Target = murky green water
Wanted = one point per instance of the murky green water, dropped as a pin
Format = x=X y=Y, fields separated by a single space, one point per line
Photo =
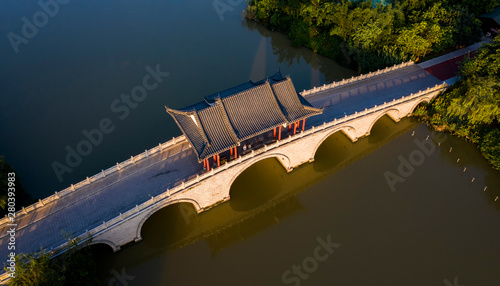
x=437 y=225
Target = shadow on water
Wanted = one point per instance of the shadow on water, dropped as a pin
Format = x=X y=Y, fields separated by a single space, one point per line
x=257 y=185
x=338 y=151
x=261 y=197
x=332 y=152
x=103 y=257
x=382 y=129
x=169 y=225
x=257 y=223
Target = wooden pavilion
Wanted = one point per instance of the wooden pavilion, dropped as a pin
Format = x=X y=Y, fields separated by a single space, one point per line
x=223 y=120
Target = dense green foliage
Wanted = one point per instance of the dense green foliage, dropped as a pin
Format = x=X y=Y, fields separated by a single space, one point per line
x=75 y=267
x=368 y=37
x=471 y=108
x=21 y=197
x=38 y=271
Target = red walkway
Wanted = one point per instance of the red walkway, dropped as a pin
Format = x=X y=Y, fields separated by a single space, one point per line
x=447 y=69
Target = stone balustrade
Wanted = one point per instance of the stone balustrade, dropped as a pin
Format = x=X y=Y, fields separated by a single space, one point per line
x=186 y=185
x=89 y=180
x=353 y=79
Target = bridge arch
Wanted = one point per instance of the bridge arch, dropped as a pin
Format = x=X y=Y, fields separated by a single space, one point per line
x=393 y=113
x=282 y=158
x=109 y=243
x=158 y=207
x=414 y=106
x=330 y=133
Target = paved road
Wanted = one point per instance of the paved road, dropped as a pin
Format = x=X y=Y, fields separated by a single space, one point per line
x=102 y=200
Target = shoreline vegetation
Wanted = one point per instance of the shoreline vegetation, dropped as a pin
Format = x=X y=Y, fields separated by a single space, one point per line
x=74 y=267
x=470 y=109
x=367 y=37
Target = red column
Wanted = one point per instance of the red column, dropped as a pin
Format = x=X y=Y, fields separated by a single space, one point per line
x=204 y=163
x=218 y=160
x=294 y=128
x=274 y=132
x=303 y=124
x=279 y=133
x=235 y=153
x=289 y=128
x=231 y=151
x=208 y=164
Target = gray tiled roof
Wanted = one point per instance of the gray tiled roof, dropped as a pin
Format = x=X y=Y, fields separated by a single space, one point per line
x=220 y=136
x=190 y=123
x=253 y=111
x=224 y=119
x=291 y=106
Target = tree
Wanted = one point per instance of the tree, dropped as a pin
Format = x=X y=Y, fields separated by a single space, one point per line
x=37 y=271
x=299 y=33
x=375 y=34
x=471 y=108
x=490 y=147
x=477 y=97
x=75 y=267
x=476 y=7
x=480 y=104
x=412 y=41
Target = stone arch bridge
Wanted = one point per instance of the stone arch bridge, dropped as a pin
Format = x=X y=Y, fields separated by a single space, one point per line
x=207 y=190
x=112 y=206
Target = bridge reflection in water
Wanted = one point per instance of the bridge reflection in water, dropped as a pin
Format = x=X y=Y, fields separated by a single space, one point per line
x=153 y=172
x=255 y=206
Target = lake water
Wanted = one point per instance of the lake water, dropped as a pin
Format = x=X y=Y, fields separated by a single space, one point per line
x=436 y=227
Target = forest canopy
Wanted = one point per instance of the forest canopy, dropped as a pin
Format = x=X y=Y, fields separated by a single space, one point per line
x=367 y=36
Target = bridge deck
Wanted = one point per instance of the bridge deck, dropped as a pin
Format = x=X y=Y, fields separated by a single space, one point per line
x=104 y=199
x=359 y=95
